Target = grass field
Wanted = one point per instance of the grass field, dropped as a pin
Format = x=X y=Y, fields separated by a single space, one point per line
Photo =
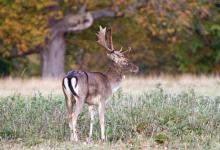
x=146 y=113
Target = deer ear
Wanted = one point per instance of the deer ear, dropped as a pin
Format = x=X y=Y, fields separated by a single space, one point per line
x=110 y=56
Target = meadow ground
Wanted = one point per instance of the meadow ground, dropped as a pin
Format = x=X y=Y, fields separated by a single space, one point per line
x=146 y=113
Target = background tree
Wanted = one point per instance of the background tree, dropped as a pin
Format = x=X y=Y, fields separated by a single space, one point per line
x=166 y=36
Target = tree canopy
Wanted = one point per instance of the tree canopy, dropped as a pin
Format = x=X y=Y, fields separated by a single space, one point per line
x=166 y=36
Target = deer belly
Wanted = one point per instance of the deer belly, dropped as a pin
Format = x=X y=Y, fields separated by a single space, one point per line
x=93 y=100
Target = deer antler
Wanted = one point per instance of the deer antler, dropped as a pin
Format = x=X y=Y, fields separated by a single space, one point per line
x=129 y=49
x=105 y=38
x=109 y=38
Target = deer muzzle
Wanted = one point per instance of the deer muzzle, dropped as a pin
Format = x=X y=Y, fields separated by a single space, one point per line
x=133 y=68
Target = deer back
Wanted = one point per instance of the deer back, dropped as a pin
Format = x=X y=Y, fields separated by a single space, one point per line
x=89 y=86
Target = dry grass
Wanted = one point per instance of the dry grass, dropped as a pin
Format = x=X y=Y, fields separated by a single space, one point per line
x=204 y=85
x=9 y=86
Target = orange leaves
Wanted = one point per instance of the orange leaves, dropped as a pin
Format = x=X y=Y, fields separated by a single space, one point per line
x=7 y=41
x=142 y=20
x=22 y=47
x=183 y=19
x=55 y=14
x=170 y=30
x=43 y=4
x=23 y=24
x=1 y=34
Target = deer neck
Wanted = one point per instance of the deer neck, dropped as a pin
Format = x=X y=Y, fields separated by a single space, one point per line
x=114 y=75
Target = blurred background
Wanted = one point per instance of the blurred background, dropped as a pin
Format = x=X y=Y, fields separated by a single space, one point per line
x=173 y=102
x=49 y=37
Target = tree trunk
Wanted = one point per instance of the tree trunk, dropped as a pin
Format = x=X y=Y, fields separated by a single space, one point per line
x=53 y=54
x=53 y=57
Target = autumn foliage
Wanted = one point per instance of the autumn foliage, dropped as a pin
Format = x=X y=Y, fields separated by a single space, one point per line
x=171 y=36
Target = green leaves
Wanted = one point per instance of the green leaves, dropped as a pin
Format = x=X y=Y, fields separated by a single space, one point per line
x=215 y=29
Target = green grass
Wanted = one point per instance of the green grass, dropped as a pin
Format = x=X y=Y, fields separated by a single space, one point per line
x=157 y=118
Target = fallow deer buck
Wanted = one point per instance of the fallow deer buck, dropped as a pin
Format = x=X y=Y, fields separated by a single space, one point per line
x=94 y=88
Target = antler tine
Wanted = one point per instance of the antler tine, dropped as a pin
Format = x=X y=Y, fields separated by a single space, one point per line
x=109 y=38
x=104 y=40
x=129 y=49
x=121 y=50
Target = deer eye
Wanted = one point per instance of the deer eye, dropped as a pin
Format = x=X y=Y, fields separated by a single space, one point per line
x=124 y=62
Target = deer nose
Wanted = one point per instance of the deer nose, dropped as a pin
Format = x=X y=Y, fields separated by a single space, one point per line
x=136 y=69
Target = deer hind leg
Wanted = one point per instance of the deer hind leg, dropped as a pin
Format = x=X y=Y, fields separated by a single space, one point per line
x=101 y=109
x=75 y=114
x=69 y=104
x=92 y=119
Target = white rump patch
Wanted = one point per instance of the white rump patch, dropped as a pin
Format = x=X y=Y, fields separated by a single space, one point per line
x=66 y=85
x=73 y=83
x=75 y=87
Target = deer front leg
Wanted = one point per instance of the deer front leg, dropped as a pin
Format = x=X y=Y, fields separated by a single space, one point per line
x=78 y=108
x=102 y=119
x=92 y=117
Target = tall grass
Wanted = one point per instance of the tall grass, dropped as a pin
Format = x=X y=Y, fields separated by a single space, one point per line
x=184 y=119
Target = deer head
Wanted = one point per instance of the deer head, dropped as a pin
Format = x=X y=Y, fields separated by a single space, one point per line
x=117 y=56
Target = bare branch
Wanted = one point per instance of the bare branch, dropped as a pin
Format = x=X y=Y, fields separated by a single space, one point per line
x=137 y=5
x=103 y=13
x=72 y=23
x=109 y=13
